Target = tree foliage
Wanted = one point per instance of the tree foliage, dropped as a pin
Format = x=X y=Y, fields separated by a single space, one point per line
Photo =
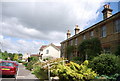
x=90 y=48
x=106 y=64
x=69 y=51
x=4 y=55
x=20 y=54
x=31 y=61
x=118 y=50
x=12 y=56
x=15 y=57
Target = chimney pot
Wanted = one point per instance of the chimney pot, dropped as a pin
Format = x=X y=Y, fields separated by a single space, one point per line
x=107 y=6
x=68 y=34
x=107 y=12
x=76 y=29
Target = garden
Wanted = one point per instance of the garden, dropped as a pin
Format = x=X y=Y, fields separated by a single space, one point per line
x=97 y=66
x=103 y=67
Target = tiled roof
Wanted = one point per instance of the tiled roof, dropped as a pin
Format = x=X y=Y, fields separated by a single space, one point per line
x=58 y=47
x=35 y=55
x=44 y=46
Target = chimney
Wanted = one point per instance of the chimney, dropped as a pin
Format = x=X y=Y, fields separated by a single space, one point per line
x=68 y=34
x=76 y=29
x=107 y=12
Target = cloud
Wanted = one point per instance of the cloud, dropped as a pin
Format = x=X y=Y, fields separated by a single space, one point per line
x=49 y=16
x=14 y=29
x=19 y=45
x=44 y=20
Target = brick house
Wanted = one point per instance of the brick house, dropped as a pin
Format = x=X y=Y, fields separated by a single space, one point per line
x=107 y=31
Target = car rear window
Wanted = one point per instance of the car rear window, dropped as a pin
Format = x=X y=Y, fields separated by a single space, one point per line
x=6 y=64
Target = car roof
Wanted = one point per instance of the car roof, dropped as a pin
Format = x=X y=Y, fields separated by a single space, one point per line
x=9 y=61
x=6 y=61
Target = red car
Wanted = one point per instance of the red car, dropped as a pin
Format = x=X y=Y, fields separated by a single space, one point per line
x=8 y=68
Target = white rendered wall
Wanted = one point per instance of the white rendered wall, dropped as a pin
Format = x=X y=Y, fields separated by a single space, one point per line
x=52 y=52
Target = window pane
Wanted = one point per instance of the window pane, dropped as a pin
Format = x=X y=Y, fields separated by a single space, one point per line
x=6 y=64
x=91 y=33
x=47 y=51
x=117 y=25
x=103 y=31
x=76 y=41
x=84 y=37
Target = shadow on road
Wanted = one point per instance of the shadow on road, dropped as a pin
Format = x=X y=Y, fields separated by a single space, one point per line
x=6 y=76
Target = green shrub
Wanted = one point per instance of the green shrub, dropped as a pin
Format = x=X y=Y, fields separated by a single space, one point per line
x=30 y=65
x=117 y=52
x=33 y=58
x=25 y=64
x=106 y=64
x=113 y=77
x=73 y=72
x=77 y=60
x=20 y=61
x=40 y=72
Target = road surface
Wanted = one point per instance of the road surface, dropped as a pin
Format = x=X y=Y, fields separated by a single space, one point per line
x=22 y=75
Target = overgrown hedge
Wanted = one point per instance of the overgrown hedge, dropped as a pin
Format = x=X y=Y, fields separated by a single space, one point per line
x=106 y=64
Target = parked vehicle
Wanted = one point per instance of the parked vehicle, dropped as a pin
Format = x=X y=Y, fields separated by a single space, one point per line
x=16 y=63
x=8 y=68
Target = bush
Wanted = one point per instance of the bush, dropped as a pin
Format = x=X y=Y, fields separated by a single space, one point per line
x=117 y=52
x=77 y=60
x=73 y=72
x=33 y=58
x=40 y=72
x=40 y=69
x=20 y=61
x=30 y=65
x=106 y=64
x=25 y=64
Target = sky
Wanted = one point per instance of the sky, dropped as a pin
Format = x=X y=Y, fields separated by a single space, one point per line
x=26 y=25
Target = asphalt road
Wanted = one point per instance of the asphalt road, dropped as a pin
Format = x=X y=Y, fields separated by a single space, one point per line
x=22 y=75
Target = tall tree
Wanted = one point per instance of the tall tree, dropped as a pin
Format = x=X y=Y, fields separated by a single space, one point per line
x=15 y=57
x=5 y=55
x=90 y=48
x=69 y=51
